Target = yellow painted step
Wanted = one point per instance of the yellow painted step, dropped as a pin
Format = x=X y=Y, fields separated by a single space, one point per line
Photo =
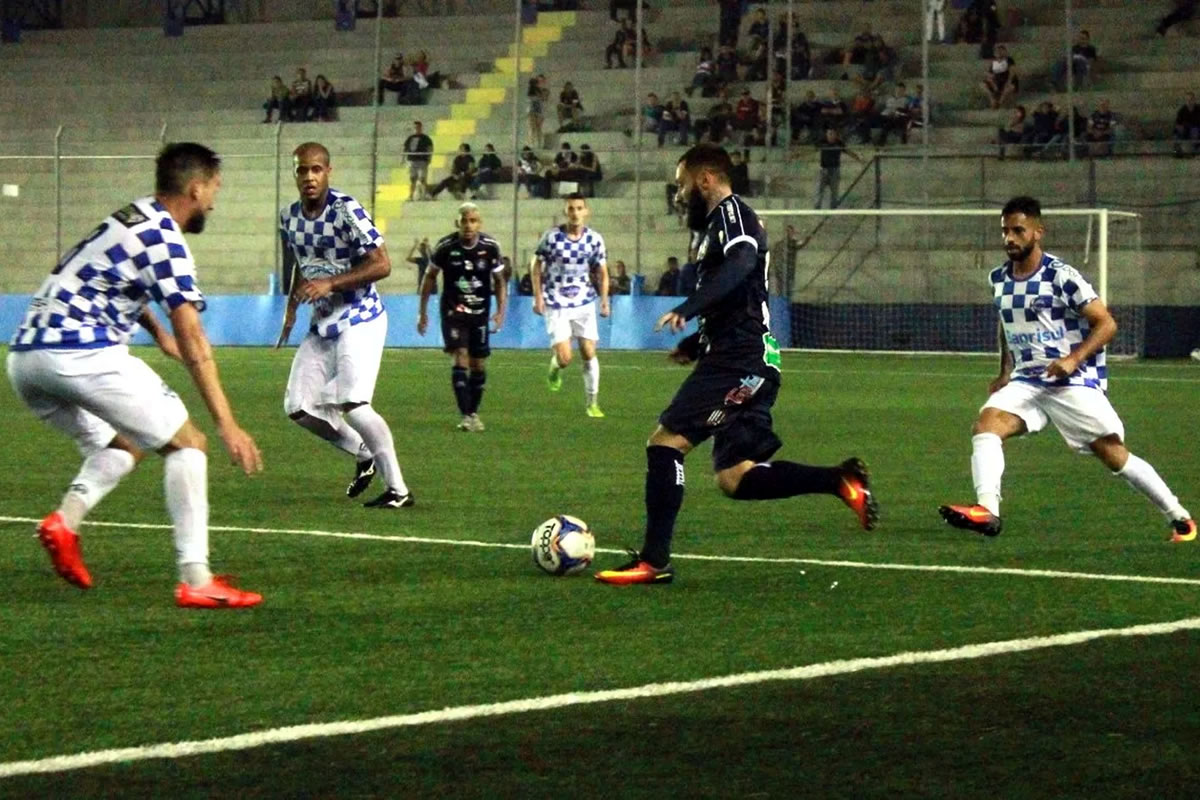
x=508 y=65
x=475 y=111
x=534 y=50
x=488 y=94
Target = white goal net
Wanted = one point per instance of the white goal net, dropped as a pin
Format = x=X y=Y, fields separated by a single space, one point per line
x=916 y=280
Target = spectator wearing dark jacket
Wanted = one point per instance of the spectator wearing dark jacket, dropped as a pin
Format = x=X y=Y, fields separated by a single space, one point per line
x=1187 y=126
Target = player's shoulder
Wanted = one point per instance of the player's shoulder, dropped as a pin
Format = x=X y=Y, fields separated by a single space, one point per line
x=1058 y=270
x=446 y=242
x=1000 y=273
x=594 y=236
x=290 y=211
x=142 y=214
x=489 y=242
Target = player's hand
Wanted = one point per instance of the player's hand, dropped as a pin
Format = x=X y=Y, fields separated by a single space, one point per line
x=680 y=357
x=166 y=342
x=1062 y=368
x=315 y=290
x=243 y=451
x=997 y=384
x=671 y=322
x=605 y=308
x=497 y=321
x=539 y=306
x=422 y=324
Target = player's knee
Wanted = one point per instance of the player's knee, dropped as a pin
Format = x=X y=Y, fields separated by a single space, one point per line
x=564 y=359
x=728 y=482
x=189 y=437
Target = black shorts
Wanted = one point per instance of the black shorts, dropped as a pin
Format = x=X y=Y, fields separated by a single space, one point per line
x=471 y=332
x=732 y=407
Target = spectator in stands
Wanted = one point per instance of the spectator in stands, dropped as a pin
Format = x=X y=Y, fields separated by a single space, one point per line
x=652 y=116
x=420 y=64
x=856 y=50
x=418 y=150
x=739 y=178
x=620 y=282
x=862 y=115
x=412 y=85
x=970 y=27
x=462 y=173
x=393 y=77
x=277 y=100
x=990 y=18
x=935 y=20
x=570 y=108
x=588 y=170
x=916 y=109
x=1016 y=132
x=879 y=64
x=1046 y=136
x=419 y=255
x=677 y=118
x=727 y=64
x=687 y=279
x=529 y=174
x=801 y=51
x=805 y=118
x=731 y=21
x=1000 y=81
x=628 y=6
x=324 y=100
x=1187 y=126
x=894 y=117
x=720 y=114
x=834 y=111
x=563 y=168
x=831 y=165
x=1184 y=11
x=300 y=97
x=668 y=283
x=631 y=48
x=705 y=77
x=491 y=170
x=1101 y=130
x=745 y=114
x=537 y=95
x=1083 y=53
x=616 y=49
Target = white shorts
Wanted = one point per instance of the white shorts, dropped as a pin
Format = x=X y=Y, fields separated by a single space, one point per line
x=92 y=395
x=327 y=373
x=578 y=322
x=1081 y=414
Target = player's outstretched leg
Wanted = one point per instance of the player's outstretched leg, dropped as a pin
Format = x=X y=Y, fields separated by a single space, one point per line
x=664 y=497
x=375 y=432
x=850 y=481
x=987 y=469
x=62 y=544
x=333 y=429
x=1142 y=477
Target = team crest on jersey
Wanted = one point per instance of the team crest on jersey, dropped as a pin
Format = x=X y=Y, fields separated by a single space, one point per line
x=129 y=216
x=569 y=292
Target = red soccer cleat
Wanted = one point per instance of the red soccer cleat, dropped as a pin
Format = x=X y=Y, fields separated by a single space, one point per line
x=636 y=571
x=1183 y=530
x=971 y=518
x=217 y=593
x=62 y=544
x=855 y=491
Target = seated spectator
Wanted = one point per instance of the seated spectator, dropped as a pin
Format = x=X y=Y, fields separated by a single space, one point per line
x=705 y=77
x=739 y=178
x=393 y=77
x=676 y=118
x=1101 y=131
x=1187 y=126
x=715 y=125
x=834 y=111
x=759 y=27
x=1046 y=135
x=616 y=49
x=300 y=97
x=856 y=51
x=570 y=107
x=462 y=173
x=895 y=116
x=727 y=64
x=491 y=171
x=631 y=48
x=1001 y=82
x=563 y=168
x=619 y=281
x=805 y=119
x=1083 y=53
x=668 y=284
x=1184 y=11
x=278 y=100
x=412 y=84
x=755 y=62
x=529 y=174
x=862 y=115
x=1014 y=133
x=588 y=170
x=652 y=115
x=420 y=64
x=801 y=55
x=745 y=114
x=916 y=108
x=324 y=100
x=879 y=65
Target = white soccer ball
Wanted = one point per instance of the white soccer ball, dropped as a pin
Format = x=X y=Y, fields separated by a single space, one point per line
x=563 y=545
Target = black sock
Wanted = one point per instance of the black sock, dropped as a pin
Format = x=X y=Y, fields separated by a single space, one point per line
x=786 y=479
x=475 y=384
x=458 y=380
x=664 y=496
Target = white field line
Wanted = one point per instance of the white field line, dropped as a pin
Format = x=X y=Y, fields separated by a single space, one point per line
x=294 y=733
x=951 y=568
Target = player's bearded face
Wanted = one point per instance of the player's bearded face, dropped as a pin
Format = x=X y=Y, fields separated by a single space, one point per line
x=697 y=209
x=195 y=223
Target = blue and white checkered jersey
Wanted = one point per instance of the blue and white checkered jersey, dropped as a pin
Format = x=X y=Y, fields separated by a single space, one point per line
x=1042 y=320
x=332 y=243
x=94 y=297
x=567 y=266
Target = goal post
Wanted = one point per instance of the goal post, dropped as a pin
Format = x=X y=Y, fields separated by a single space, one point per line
x=915 y=279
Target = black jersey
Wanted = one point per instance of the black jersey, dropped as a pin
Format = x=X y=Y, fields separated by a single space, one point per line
x=466 y=273
x=735 y=330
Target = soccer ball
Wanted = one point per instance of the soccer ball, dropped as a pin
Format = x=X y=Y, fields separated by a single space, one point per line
x=563 y=545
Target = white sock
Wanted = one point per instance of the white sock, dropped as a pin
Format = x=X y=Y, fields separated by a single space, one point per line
x=1141 y=476
x=374 y=431
x=591 y=379
x=987 y=467
x=337 y=433
x=99 y=475
x=185 y=479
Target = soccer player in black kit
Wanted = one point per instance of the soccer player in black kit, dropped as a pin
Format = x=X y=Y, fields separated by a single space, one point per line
x=470 y=261
x=729 y=394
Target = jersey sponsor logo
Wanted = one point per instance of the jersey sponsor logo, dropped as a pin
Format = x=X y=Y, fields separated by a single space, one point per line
x=570 y=292
x=1043 y=301
x=749 y=387
x=771 y=355
x=130 y=216
x=1037 y=337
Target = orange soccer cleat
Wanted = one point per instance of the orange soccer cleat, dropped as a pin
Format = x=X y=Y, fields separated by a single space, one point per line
x=62 y=544
x=855 y=491
x=217 y=593
x=972 y=518
x=636 y=571
x=1183 y=530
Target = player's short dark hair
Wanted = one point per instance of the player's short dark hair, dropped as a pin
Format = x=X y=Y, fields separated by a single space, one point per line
x=180 y=162
x=708 y=156
x=1023 y=204
x=575 y=196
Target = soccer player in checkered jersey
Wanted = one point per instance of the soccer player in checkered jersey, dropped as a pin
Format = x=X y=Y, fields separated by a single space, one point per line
x=338 y=257
x=69 y=362
x=570 y=270
x=729 y=395
x=472 y=269
x=1053 y=329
